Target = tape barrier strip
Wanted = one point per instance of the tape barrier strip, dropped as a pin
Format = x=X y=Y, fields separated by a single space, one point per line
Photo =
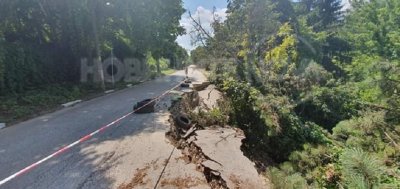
x=83 y=139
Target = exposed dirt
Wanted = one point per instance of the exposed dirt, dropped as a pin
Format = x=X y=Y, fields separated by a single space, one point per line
x=138 y=179
x=155 y=165
x=181 y=183
x=235 y=180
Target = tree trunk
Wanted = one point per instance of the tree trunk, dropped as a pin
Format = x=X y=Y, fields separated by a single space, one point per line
x=158 y=67
x=97 y=55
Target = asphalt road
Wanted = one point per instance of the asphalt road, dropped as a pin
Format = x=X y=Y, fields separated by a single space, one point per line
x=83 y=165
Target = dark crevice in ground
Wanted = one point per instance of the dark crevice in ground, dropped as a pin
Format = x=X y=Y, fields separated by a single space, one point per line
x=191 y=152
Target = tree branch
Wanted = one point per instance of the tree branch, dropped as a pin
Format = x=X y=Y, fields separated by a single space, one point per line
x=202 y=33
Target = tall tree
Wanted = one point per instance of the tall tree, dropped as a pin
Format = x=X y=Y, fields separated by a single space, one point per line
x=322 y=14
x=374 y=28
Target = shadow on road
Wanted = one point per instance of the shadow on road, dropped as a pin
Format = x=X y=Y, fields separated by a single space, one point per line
x=97 y=162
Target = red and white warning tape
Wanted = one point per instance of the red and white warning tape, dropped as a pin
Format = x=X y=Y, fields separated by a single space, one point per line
x=83 y=139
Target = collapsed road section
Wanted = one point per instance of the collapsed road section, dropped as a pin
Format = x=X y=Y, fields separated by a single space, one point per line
x=215 y=150
x=196 y=153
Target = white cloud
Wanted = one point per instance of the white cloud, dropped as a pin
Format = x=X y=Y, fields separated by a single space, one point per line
x=206 y=18
x=346 y=4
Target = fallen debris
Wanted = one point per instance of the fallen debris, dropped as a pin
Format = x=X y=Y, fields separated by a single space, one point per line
x=185 y=85
x=190 y=132
x=183 y=121
x=199 y=86
x=188 y=80
x=137 y=180
x=180 y=183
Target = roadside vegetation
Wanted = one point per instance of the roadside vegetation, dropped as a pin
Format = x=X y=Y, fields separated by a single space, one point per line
x=42 y=43
x=315 y=88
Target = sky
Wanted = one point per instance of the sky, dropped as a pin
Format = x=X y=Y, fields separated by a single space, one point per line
x=346 y=4
x=203 y=9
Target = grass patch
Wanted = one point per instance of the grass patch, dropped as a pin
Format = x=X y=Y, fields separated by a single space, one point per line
x=19 y=107
x=168 y=71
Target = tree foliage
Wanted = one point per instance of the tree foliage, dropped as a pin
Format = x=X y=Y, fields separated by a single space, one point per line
x=42 y=42
x=315 y=89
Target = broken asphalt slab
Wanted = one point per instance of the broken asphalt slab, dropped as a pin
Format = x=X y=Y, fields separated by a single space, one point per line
x=216 y=152
x=222 y=147
x=210 y=96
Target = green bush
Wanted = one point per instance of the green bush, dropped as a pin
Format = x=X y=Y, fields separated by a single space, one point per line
x=213 y=117
x=317 y=164
x=269 y=121
x=360 y=169
x=284 y=180
x=316 y=75
x=221 y=72
x=33 y=102
x=372 y=134
x=328 y=106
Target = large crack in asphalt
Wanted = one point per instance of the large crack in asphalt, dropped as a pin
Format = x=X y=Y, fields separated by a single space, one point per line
x=190 y=151
x=193 y=154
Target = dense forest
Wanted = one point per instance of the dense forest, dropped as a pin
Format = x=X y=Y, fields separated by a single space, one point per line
x=42 y=43
x=315 y=88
